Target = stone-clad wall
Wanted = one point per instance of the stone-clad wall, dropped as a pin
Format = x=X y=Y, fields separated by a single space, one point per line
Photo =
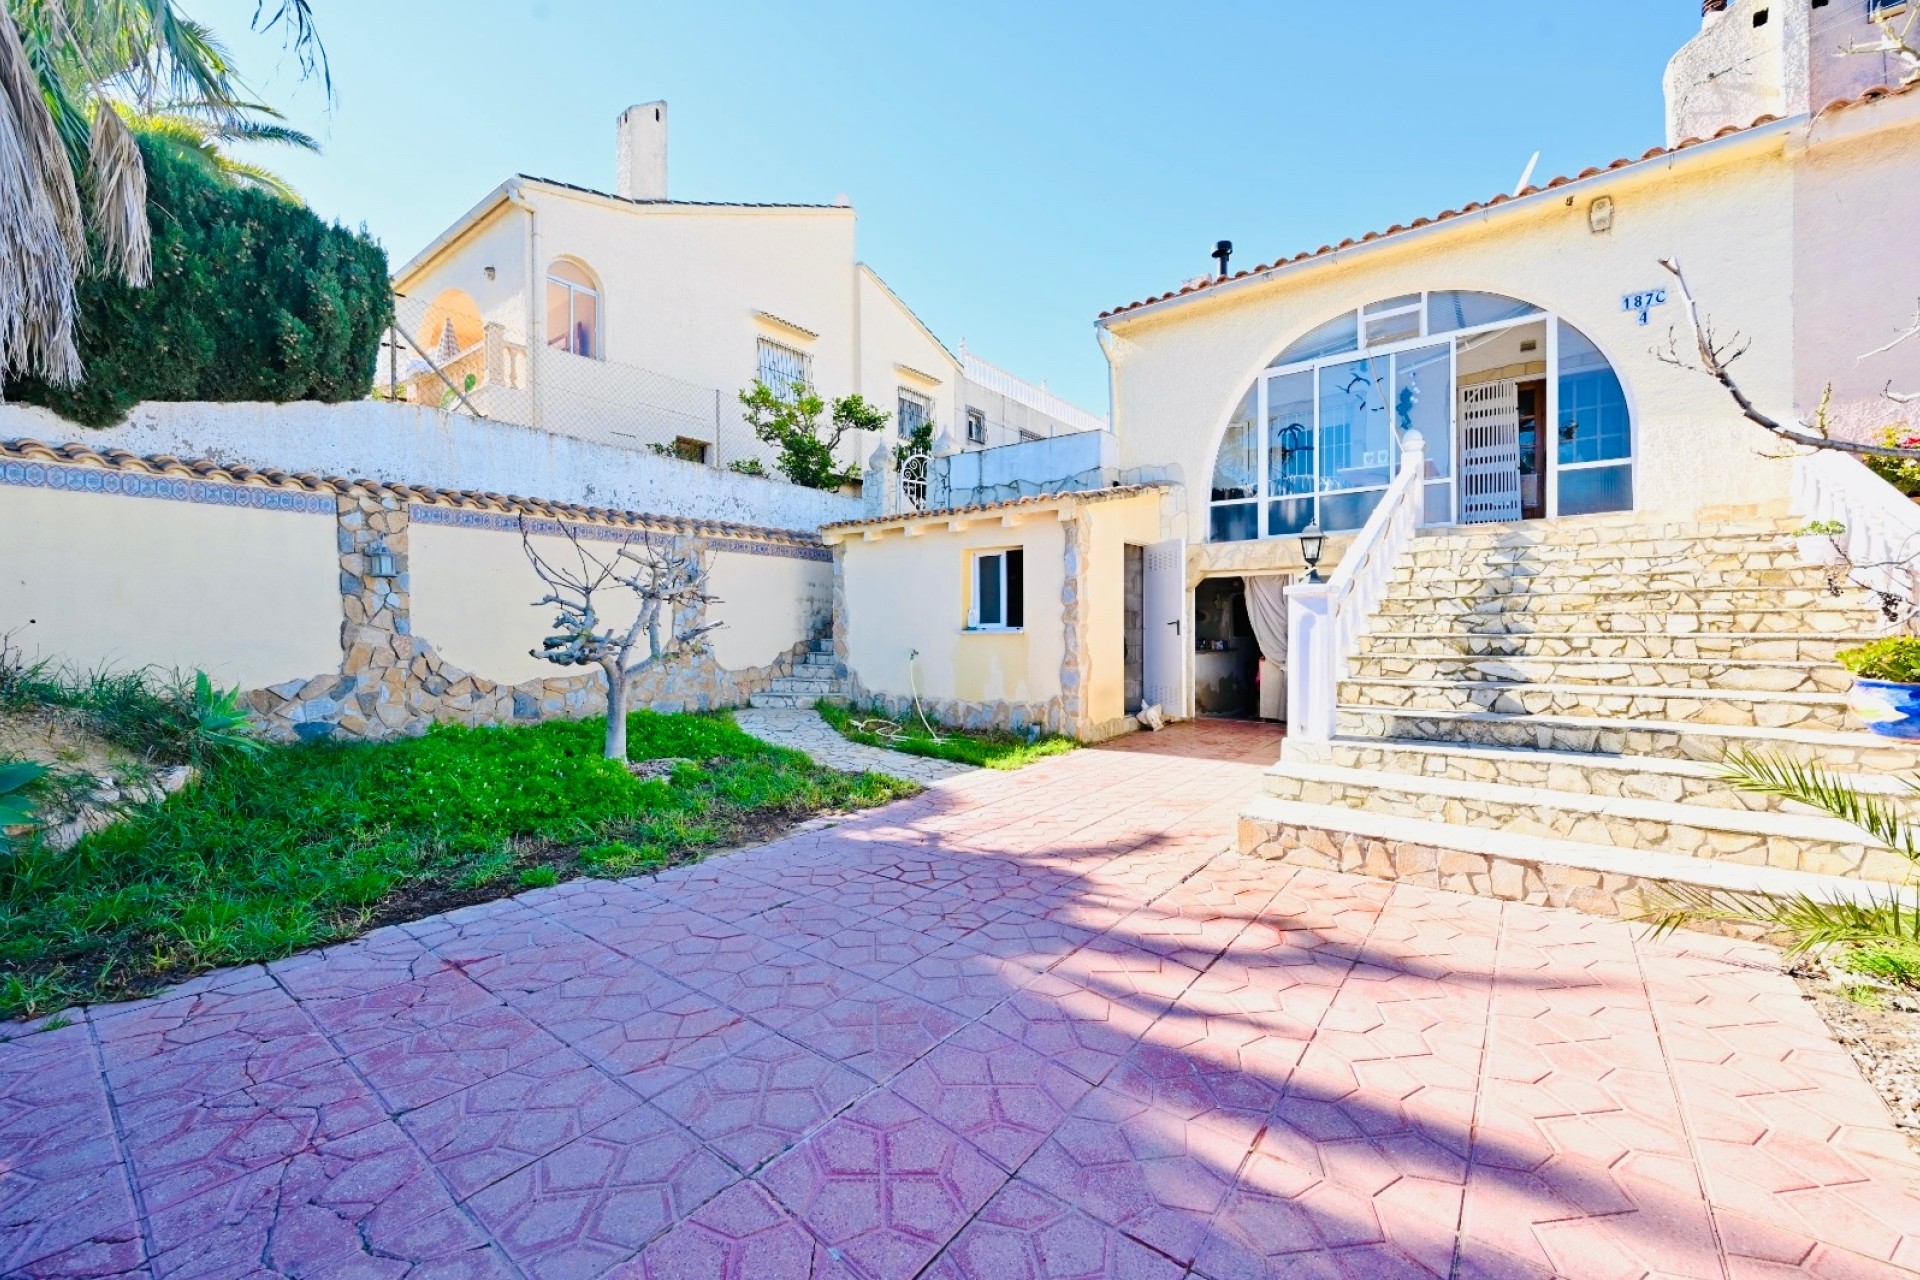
x=392 y=682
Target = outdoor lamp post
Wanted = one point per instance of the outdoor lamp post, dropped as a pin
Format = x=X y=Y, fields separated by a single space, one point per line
x=1312 y=543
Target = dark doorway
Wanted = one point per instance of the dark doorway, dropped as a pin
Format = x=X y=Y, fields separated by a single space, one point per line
x=1133 y=637
x=1226 y=658
x=1532 y=398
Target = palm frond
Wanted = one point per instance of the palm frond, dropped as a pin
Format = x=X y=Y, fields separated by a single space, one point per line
x=243 y=173
x=275 y=134
x=295 y=17
x=41 y=233
x=1809 y=923
x=117 y=181
x=1828 y=792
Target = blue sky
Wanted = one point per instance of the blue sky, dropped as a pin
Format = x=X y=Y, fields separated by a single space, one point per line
x=1018 y=168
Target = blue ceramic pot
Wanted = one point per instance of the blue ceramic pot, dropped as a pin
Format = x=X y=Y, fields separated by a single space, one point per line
x=1890 y=710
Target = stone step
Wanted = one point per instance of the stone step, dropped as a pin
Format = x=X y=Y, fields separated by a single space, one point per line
x=1473 y=580
x=812 y=662
x=1601 y=530
x=1666 y=673
x=1621 y=702
x=1845 y=751
x=769 y=700
x=1622 y=557
x=1415 y=618
x=1709 y=646
x=1654 y=600
x=823 y=645
x=1693 y=782
x=1597 y=878
x=1794 y=841
x=813 y=688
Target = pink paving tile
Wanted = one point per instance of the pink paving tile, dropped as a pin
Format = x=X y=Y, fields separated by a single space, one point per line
x=536 y=969
x=435 y=1061
x=785 y=988
x=1025 y=1234
x=367 y=1194
x=884 y=1184
x=741 y=1234
x=874 y=948
x=653 y=1051
x=1084 y=1031
x=878 y=1030
x=488 y=1130
x=601 y=1198
x=1157 y=1175
x=387 y=1012
x=961 y=980
x=999 y=1095
x=760 y=1099
x=378 y=959
x=593 y=1003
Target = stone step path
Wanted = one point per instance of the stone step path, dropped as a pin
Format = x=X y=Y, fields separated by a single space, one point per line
x=804 y=731
x=814 y=677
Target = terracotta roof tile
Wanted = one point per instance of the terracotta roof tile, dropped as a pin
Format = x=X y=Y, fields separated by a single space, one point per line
x=1652 y=153
x=202 y=469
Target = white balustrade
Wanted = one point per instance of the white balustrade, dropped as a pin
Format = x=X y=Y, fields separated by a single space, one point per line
x=1326 y=620
x=1882 y=526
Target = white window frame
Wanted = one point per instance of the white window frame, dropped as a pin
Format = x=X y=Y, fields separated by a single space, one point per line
x=769 y=356
x=974 y=564
x=976 y=425
x=564 y=341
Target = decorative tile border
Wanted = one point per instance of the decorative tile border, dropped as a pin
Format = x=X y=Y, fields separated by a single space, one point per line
x=463 y=518
x=132 y=484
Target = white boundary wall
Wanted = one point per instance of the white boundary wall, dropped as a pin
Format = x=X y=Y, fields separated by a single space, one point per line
x=418 y=445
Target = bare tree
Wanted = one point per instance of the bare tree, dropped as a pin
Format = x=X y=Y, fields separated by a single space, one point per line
x=672 y=595
x=1718 y=355
x=1897 y=41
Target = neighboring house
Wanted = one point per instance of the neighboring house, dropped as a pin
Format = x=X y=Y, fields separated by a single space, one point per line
x=636 y=319
x=1520 y=338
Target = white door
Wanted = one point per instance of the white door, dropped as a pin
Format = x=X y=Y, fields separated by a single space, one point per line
x=1164 y=646
x=1489 y=452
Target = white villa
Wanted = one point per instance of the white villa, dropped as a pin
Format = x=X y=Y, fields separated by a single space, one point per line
x=634 y=319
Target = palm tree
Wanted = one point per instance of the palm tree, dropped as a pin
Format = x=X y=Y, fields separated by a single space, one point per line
x=69 y=165
x=200 y=134
x=1807 y=922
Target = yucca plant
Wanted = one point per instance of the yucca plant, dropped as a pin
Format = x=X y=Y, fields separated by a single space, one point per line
x=1806 y=922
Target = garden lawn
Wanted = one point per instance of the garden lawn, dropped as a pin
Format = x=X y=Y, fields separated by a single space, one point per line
x=304 y=845
x=985 y=750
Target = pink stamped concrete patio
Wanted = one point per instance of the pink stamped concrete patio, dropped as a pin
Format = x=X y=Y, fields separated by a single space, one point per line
x=1030 y=1025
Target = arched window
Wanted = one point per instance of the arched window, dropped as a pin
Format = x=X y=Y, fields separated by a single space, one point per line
x=1521 y=416
x=573 y=310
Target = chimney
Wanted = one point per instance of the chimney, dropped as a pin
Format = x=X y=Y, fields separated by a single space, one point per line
x=641 y=152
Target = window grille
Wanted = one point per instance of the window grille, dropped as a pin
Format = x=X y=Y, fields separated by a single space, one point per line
x=976 y=427
x=783 y=370
x=913 y=411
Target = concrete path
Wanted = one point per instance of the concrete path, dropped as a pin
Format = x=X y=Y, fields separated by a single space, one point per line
x=1024 y=1025
x=806 y=731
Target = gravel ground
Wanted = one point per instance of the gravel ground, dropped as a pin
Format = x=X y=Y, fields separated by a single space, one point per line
x=1883 y=1036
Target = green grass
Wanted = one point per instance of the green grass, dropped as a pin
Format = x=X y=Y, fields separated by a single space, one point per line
x=299 y=846
x=986 y=750
x=1890 y=961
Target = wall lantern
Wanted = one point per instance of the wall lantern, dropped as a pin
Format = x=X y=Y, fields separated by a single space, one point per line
x=380 y=562
x=1312 y=543
x=1600 y=215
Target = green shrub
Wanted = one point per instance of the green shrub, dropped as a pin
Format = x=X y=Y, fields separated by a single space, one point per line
x=252 y=299
x=1895 y=658
x=1902 y=473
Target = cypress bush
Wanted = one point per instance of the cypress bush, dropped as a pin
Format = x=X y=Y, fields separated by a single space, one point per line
x=252 y=299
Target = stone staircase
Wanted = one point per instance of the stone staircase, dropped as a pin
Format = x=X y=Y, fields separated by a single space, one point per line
x=1541 y=712
x=815 y=676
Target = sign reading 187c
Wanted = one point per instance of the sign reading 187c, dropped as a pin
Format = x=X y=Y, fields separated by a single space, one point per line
x=1642 y=303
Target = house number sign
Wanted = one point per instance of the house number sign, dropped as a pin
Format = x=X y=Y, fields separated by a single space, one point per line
x=1641 y=304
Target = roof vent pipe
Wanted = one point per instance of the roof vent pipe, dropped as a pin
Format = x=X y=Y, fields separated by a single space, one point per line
x=1222 y=251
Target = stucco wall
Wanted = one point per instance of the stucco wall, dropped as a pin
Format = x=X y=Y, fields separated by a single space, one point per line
x=1856 y=274
x=93 y=580
x=769 y=604
x=1179 y=371
x=890 y=337
x=407 y=444
x=1111 y=526
x=905 y=594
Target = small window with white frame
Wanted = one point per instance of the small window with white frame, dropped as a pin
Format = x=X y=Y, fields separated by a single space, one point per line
x=999 y=591
x=573 y=310
x=976 y=426
x=782 y=368
x=913 y=411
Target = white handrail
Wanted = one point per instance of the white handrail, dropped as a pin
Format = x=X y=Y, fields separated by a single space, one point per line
x=1881 y=540
x=1325 y=620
